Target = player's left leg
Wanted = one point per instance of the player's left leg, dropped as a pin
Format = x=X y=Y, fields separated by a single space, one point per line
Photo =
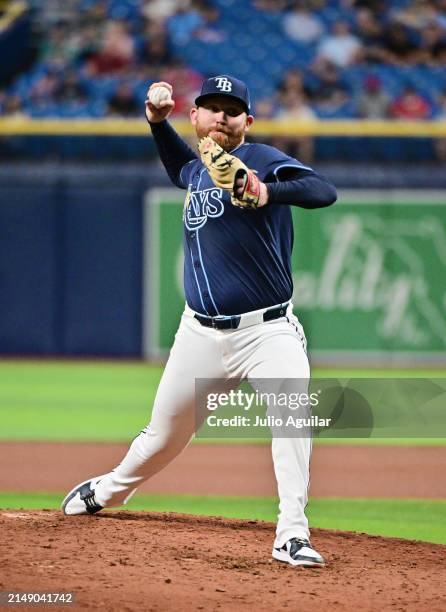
x=277 y=364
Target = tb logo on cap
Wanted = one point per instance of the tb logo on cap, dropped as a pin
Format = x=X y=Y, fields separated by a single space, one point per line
x=223 y=84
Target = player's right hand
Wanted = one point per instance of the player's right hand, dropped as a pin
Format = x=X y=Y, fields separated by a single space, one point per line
x=153 y=114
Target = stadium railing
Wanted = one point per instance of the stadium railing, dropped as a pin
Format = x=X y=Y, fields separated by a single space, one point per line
x=18 y=126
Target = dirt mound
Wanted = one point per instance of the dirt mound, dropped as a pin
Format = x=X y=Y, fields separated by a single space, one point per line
x=152 y=561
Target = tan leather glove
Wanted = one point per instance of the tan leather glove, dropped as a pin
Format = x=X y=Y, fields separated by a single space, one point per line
x=224 y=169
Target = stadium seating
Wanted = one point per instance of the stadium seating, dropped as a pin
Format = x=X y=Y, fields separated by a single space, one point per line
x=253 y=47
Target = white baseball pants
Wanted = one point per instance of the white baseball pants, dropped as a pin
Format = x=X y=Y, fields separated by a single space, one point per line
x=271 y=350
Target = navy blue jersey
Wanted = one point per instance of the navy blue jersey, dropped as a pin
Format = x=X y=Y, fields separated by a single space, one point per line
x=236 y=260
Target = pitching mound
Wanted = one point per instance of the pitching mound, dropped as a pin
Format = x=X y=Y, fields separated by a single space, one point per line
x=151 y=561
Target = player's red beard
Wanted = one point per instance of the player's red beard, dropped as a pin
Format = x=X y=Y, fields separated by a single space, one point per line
x=227 y=139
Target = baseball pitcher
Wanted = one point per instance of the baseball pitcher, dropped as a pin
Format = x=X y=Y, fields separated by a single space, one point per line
x=238 y=321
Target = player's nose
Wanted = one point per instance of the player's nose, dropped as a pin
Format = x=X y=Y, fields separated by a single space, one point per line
x=220 y=116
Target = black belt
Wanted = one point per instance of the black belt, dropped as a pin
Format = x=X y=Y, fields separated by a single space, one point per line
x=232 y=322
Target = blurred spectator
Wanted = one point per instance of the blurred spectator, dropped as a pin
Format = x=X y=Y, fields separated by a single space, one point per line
x=11 y=106
x=432 y=47
x=371 y=33
x=378 y=7
x=97 y=13
x=55 y=11
x=264 y=108
x=60 y=45
x=292 y=82
x=272 y=6
x=89 y=42
x=410 y=105
x=186 y=85
x=44 y=89
x=294 y=107
x=318 y=5
x=398 y=47
x=123 y=102
x=367 y=27
x=292 y=104
x=441 y=106
x=183 y=23
x=203 y=5
x=440 y=143
x=209 y=31
x=300 y=24
x=441 y=16
x=116 y=52
x=373 y=103
x=160 y=9
x=328 y=93
x=155 y=51
x=70 y=89
x=155 y=28
x=83 y=38
x=341 y=47
x=416 y=15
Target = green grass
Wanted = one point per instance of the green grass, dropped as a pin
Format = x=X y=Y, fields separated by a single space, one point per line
x=75 y=401
x=402 y=518
x=111 y=401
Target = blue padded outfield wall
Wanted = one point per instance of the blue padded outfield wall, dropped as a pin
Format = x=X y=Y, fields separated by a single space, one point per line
x=29 y=262
x=70 y=270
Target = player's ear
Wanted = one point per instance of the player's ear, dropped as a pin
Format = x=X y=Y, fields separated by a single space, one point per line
x=249 y=122
x=193 y=115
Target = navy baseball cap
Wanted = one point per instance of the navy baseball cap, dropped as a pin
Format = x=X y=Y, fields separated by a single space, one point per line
x=225 y=86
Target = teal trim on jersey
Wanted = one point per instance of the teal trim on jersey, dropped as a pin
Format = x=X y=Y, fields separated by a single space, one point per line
x=402 y=518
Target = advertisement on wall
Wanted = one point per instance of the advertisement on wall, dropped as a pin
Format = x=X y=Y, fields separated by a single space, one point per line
x=369 y=275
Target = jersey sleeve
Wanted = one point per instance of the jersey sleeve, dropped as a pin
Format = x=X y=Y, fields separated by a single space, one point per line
x=289 y=181
x=273 y=165
x=174 y=152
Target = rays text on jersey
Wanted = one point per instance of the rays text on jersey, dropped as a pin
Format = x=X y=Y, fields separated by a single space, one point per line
x=203 y=204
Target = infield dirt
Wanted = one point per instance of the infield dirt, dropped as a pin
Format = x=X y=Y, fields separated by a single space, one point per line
x=164 y=562
x=224 y=469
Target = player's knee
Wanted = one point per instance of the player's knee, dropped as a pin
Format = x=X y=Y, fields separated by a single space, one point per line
x=153 y=441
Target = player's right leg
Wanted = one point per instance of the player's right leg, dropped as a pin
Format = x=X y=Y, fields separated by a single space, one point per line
x=196 y=353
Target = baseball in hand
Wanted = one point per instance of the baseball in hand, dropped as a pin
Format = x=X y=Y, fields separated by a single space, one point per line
x=158 y=95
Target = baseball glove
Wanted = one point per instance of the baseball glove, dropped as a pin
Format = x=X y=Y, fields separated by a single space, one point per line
x=224 y=170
